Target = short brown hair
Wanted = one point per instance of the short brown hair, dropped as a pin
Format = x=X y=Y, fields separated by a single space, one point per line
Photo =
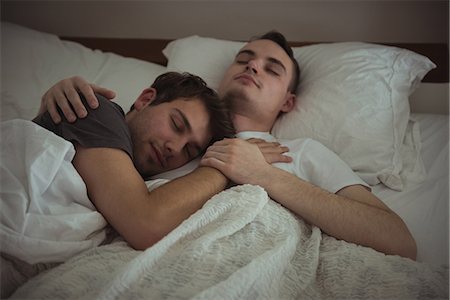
x=172 y=85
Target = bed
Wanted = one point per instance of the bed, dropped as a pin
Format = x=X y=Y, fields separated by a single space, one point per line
x=242 y=244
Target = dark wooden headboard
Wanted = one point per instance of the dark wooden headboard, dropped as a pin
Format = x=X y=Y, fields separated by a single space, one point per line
x=151 y=50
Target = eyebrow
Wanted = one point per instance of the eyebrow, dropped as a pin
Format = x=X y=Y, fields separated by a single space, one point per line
x=270 y=59
x=189 y=128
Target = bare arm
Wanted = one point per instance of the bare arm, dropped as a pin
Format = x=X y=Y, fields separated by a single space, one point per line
x=353 y=214
x=121 y=196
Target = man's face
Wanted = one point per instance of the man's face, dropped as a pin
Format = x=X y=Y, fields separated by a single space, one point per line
x=168 y=135
x=258 y=79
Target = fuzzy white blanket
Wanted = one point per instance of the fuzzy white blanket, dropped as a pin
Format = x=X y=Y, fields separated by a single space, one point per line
x=240 y=245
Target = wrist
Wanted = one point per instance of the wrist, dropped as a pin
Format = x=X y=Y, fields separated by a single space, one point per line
x=213 y=175
x=265 y=176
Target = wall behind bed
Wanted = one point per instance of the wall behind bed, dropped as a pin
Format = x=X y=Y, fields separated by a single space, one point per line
x=396 y=21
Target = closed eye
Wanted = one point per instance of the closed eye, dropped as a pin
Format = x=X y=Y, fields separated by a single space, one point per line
x=275 y=66
x=271 y=71
x=244 y=56
x=241 y=62
x=181 y=124
x=176 y=125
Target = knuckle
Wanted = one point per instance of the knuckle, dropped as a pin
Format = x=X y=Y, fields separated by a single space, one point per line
x=84 y=86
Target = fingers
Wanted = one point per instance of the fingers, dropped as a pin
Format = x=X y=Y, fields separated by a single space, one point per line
x=211 y=159
x=273 y=147
x=52 y=110
x=65 y=96
x=67 y=99
x=272 y=151
x=89 y=90
x=212 y=162
x=220 y=155
x=78 y=84
x=228 y=149
x=277 y=158
x=237 y=159
x=53 y=99
x=262 y=144
x=107 y=93
x=222 y=146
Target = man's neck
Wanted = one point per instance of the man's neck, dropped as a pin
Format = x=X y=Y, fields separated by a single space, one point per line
x=244 y=123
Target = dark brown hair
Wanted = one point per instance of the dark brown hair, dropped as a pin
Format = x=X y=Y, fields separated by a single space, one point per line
x=173 y=85
x=281 y=41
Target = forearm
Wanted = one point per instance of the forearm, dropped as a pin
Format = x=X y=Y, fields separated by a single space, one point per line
x=352 y=220
x=121 y=196
x=175 y=201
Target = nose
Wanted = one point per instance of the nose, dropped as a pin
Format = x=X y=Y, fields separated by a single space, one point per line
x=175 y=146
x=252 y=66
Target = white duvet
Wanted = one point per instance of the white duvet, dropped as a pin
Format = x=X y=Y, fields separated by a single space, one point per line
x=240 y=245
x=46 y=215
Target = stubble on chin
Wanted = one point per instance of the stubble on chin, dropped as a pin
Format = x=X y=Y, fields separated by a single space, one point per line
x=138 y=166
x=238 y=101
x=139 y=163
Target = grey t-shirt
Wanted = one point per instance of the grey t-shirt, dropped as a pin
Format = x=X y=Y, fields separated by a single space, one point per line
x=104 y=127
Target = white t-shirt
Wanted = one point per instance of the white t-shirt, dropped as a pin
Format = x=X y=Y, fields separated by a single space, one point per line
x=312 y=162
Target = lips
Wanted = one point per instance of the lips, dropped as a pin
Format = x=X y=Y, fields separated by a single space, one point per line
x=157 y=155
x=247 y=77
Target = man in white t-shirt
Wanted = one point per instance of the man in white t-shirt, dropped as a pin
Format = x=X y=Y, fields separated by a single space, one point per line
x=317 y=185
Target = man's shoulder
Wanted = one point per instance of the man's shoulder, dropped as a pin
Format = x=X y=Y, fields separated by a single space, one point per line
x=105 y=105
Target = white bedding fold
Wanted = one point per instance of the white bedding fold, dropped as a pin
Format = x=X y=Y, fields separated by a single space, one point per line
x=46 y=215
x=240 y=245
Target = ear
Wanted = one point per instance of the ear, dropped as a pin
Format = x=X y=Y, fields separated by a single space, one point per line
x=145 y=98
x=289 y=102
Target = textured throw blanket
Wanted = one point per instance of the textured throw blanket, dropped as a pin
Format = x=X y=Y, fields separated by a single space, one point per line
x=240 y=245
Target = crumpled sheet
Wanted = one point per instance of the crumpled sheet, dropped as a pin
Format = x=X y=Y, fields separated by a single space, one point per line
x=46 y=215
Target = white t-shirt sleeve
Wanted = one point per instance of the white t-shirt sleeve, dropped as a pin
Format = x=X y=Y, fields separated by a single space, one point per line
x=323 y=168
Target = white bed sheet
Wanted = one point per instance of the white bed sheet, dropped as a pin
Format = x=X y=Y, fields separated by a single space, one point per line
x=425 y=206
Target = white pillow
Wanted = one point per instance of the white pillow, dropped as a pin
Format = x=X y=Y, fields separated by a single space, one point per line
x=353 y=98
x=205 y=57
x=33 y=61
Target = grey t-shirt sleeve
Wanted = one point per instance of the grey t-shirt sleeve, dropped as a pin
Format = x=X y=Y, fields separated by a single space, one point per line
x=104 y=127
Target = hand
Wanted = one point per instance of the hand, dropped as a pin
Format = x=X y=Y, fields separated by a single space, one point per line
x=272 y=151
x=65 y=93
x=241 y=161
